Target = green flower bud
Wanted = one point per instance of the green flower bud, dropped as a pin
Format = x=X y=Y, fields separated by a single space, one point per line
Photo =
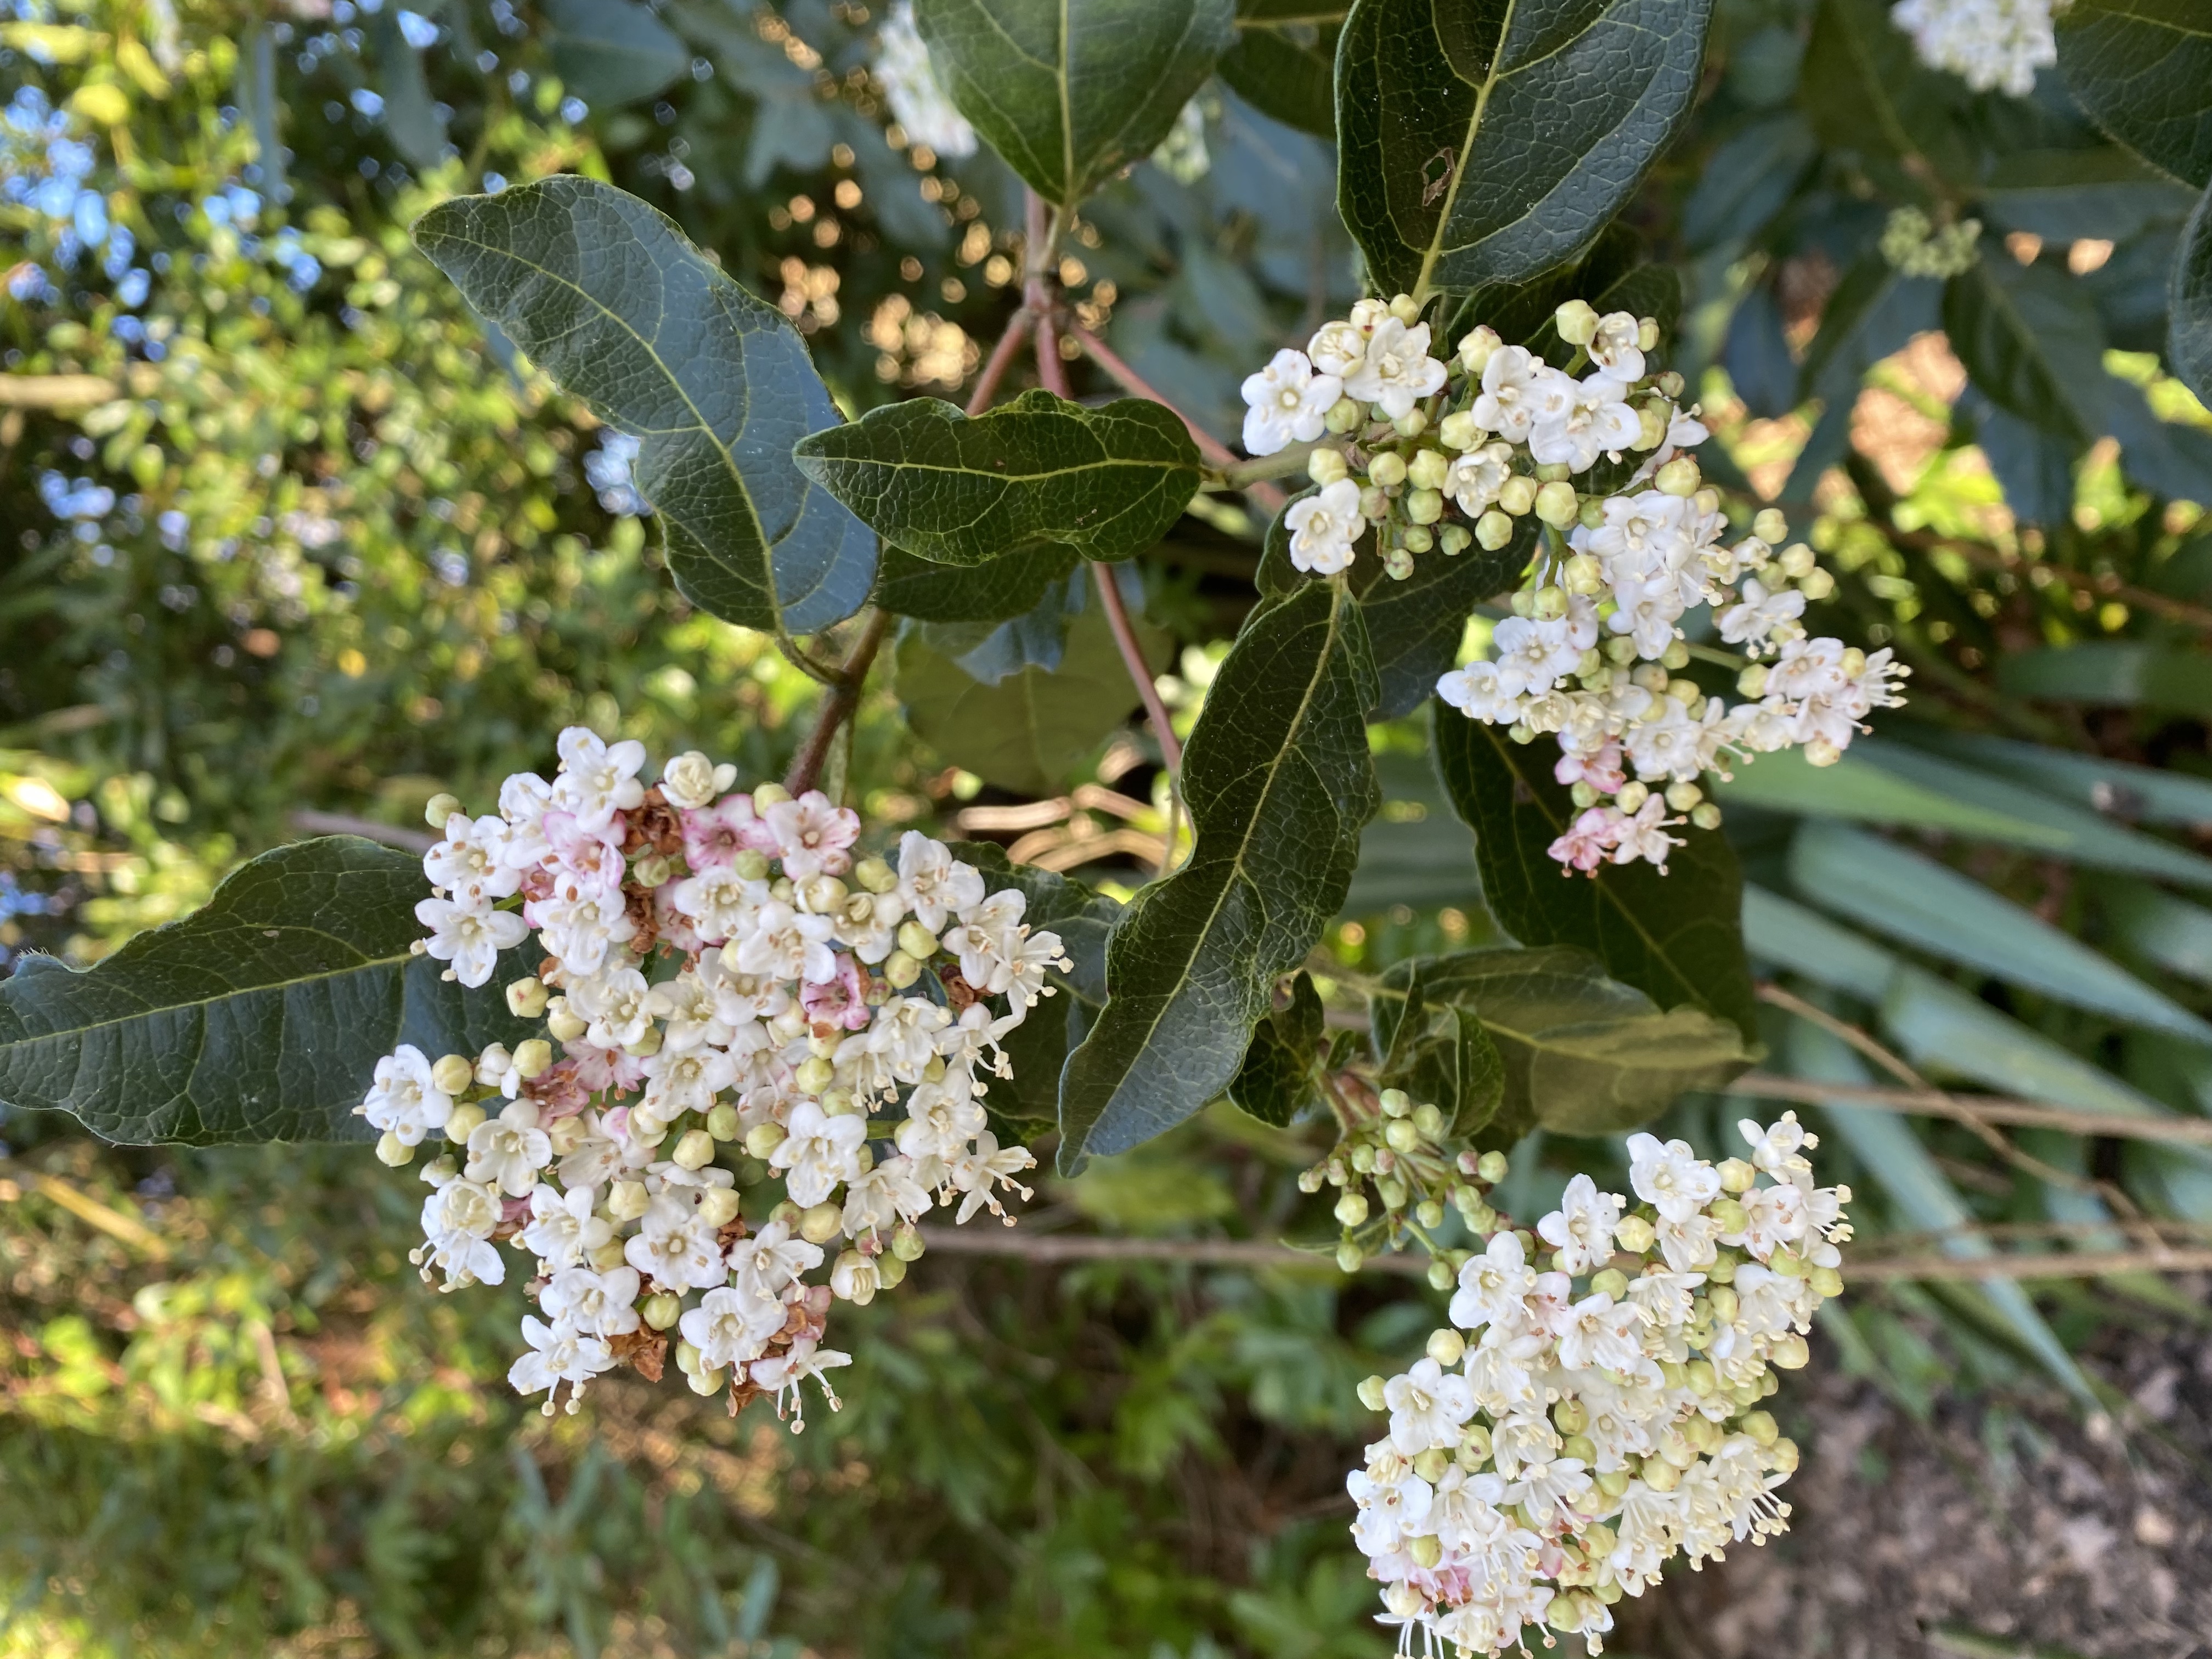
x=763 y=1138
x=1576 y=322
x=1493 y=530
x=1517 y=495
x=1446 y=1346
x=1491 y=1167
x=454 y=1073
x=1790 y=1353
x=1571 y=1416
x=1370 y=1394
x=1428 y=469
x=1609 y=1281
x=1426 y=1551
x=1723 y=1300
x=1345 y=415
x=1461 y=432
x=1432 y=1464
x=718 y=1206
x=1424 y=506
x=527 y=998
x=1406 y=309
x=661 y=1311
x=1348 y=1257
x=1760 y=1426
x=1557 y=504
x=750 y=865
x=821 y=1223
x=695 y=1149
x=394 y=1152
x=1351 y=1208
x=1797 y=560
x=533 y=1058
x=1413 y=423
x=1387 y=470
x=704 y=1383
x=1454 y=539
x=462 y=1122
x=1476 y=349
x=1826 y=1281
x=766 y=795
x=1325 y=466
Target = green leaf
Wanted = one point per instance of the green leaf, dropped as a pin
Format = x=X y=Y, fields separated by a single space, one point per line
x=997 y=591
x=1276 y=1082
x=2188 y=303
x=2168 y=931
x=1415 y=626
x=613 y=52
x=2123 y=673
x=1284 y=63
x=259 y=1017
x=1675 y=936
x=1439 y=1053
x=1278 y=783
x=1898 y=891
x=411 y=114
x=2031 y=340
x=1583 y=1053
x=1867 y=93
x=1071 y=94
x=1107 y=482
x=2144 y=794
x=1487 y=144
x=611 y=301
x=2143 y=69
x=1859 y=787
x=1874 y=311
x=1033 y=729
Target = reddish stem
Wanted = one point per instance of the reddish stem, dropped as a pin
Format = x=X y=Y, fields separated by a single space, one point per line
x=1019 y=329
x=1266 y=495
x=839 y=703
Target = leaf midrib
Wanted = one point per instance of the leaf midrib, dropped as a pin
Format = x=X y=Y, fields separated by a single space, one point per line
x=1235 y=871
x=1489 y=80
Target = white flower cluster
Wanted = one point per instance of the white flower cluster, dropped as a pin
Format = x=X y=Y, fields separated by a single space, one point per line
x=912 y=88
x=722 y=977
x=1594 y=651
x=1603 y=1413
x=1991 y=45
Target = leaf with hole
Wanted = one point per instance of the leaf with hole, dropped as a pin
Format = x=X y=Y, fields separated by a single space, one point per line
x=259 y=1017
x=1071 y=94
x=1675 y=936
x=611 y=300
x=1278 y=783
x=1487 y=144
x=965 y=490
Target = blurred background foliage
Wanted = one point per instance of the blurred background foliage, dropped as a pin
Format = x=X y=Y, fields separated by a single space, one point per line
x=289 y=538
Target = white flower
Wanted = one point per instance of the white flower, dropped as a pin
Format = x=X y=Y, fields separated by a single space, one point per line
x=912 y=88
x=1492 y=1284
x=1324 y=526
x=1581 y=1229
x=882 y=1196
x=597 y=1303
x=1993 y=45
x=1396 y=371
x=1287 y=401
x=675 y=1245
x=819 y=1153
x=562 y=1229
x=1427 y=1407
x=786 y=944
x=1339 y=348
x=1519 y=389
x=597 y=779
x=403 y=1101
x=942 y=1118
x=988 y=939
x=458 y=1220
x=1602 y=1334
x=1761 y=614
x=472 y=859
x=617 y=1005
x=732 y=1326
x=507 y=1151
x=720 y=903
x=469 y=936
x=771 y=1259
x=1613 y=348
x=812 y=834
x=1479 y=692
x=781 y=1374
x=1592 y=420
x=559 y=1352
x=690 y=780
x=974 y=1174
x=688 y=1011
x=1474 y=479
x=933 y=885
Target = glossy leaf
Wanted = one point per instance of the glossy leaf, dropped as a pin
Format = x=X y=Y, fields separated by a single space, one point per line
x=1414 y=627
x=1276 y=1082
x=1581 y=1053
x=259 y=1017
x=614 y=51
x=2143 y=69
x=1675 y=937
x=1909 y=896
x=1031 y=730
x=1284 y=63
x=1873 y=312
x=1005 y=588
x=1488 y=143
x=1071 y=94
x=610 y=300
x=2031 y=340
x=1107 y=482
x=1437 y=1051
x=2122 y=673
x=1278 y=783
x=2188 y=303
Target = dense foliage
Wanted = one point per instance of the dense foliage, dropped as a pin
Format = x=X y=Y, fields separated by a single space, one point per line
x=387 y=390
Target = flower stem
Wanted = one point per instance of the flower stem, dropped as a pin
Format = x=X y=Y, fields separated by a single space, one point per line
x=839 y=703
x=1020 y=327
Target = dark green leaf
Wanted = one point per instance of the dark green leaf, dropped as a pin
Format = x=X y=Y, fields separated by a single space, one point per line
x=259 y=1017
x=2065 y=195
x=613 y=52
x=1583 y=1053
x=1487 y=144
x=1276 y=1082
x=411 y=114
x=1677 y=937
x=1284 y=63
x=1873 y=312
x=1031 y=730
x=1107 y=482
x=1523 y=310
x=2123 y=673
x=2143 y=70
x=1004 y=588
x=2189 y=304
x=1071 y=94
x=2031 y=341
x=1278 y=783
x=1436 y=1049
x=1414 y=627
x=989 y=652
x=1866 y=92
x=1748 y=181
x=612 y=302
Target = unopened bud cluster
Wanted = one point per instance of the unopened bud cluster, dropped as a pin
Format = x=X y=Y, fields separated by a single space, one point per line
x=1589 y=1415
x=724 y=984
x=1916 y=247
x=1397 y=1171
x=1430 y=454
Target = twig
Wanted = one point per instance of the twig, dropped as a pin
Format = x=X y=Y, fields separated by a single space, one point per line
x=2103 y=588
x=127 y=1228
x=344 y=823
x=1132 y=656
x=838 y=702
x=1266 y=495
x=1973 y=1109
x=1019 y=327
